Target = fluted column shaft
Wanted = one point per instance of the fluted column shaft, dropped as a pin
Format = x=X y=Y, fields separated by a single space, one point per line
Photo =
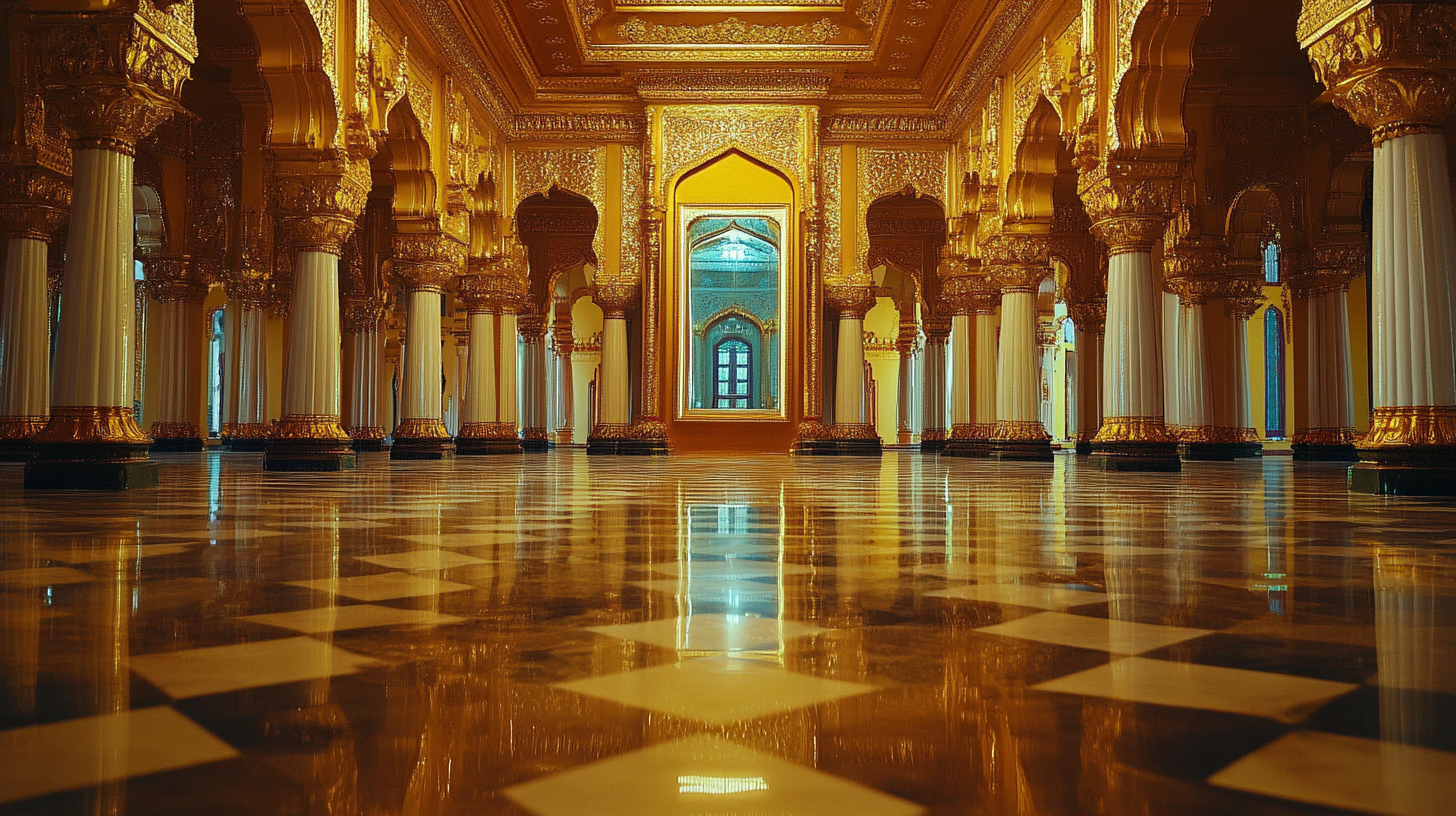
x=849 y=385
x=1325 y=322
x=1089 y=386
x=984 y=399
x=508 y=403
x=962 y=342
x=250 y=371
x=533 y=385
x=1195 y=389
x=1018 y=398
x=364 y=379
x=25 y=360
x=480 y=380
x=420 y=402
x=565 y=393
x=1132 y=374
x=906 y=395
x=933 y=425
x=311 y=392
x=179 y=326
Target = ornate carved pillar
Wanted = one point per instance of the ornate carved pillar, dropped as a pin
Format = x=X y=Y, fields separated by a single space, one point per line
x=363 y=328
x=508 y=402
x=614 y=421
x=533 y=380
x=1089 y=318
x=974 y=300
x=1392 y=67
x=563 y=343
x=1017 y=263
x=25 y=348
x=933 y=422
x=648 y=434
x=319 y=197
x=1129 y=202
x=905 y=345
x=425 y=261
x=176 y=293
x=483 y=430
x=114 y=80
x=852 y=432
x=1325 y=429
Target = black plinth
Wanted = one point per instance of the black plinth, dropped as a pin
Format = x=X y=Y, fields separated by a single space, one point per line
x=932 y=445
x=369 y=445
x=246 y=445
x=838 y=447
x=303 y=456
x=1084 y=447
x=433 y=450
x=486 y=447
x=90 y=467
x=1148 y=457
x=1220 y=451
x=1009 y=450
x=627 y=447
x=16 y=450
x=1306 y=452
x=177 y=445
x=968 y=448
x=535 y=446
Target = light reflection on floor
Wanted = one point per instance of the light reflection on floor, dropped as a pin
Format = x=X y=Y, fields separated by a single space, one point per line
x=558 y=635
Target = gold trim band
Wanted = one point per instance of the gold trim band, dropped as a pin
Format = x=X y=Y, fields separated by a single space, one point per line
x=246 y=430
x=19 y=428
x=92 y=425
x=1326 y=436
x=309 y=427
x=421 y=428
x=1020 y=430
x=366 y=433
x=1404 y=426
x=489 y=430
x=1133 y=429
x=175 y=430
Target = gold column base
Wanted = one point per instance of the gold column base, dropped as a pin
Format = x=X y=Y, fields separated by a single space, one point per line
x=932 y=435
x=1410 y=426
x=245 y=430
x=1020 y=430
x=606 y=430
x=563 y=436
x=175 y=430
x=971 y=431
x=366 y=433
x=91 y=425
x=1213 y=434
x=1326 y=436
x=1133 y=429
x=810 y=430
x=489 y=430
x=308 y=428
x=20 y=428
x=840 y=431
x=421 y=428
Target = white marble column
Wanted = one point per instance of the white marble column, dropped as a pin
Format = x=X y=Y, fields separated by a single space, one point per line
x=1018 y=396
x=1195 y=390
x=1089 y=387
x=962 y=343
x=532 y=328
x=508 y=374
x=364 y=377
x=849 y=385
x=614 y=384
x=905 y=396
x=421 y=432
x=564 y=391
x=1326 y=428
x=250 y=426
x=985 y=389
x=25 y=354
x=934 y=428
x=175 y=315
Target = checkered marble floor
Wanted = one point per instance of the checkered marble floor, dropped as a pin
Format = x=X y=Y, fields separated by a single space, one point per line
x=555 y=634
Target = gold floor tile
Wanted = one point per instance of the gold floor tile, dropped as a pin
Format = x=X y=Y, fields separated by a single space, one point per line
x=461 y=541
x=1282 y=697
x=717 y=690
x=422 y=560
x=1022 y=595
x=1350 y=773
x=711 y=633
x=41 y=759
x=701 y=775
x=962 y=571
x=1123 y=551
x=93 y=555
x=352 y=616
x=35 y=577
x=217 y=669
x=383 y=587
x=223 y=534
x=1118 y=637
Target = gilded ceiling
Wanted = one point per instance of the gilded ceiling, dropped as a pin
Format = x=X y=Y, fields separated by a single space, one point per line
x=853 y=55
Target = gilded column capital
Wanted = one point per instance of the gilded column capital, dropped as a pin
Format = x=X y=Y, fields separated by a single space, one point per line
x=850 y=301
x=1327 y=268
x=114 y=76
x=485 y=294
x=426 y=261
x=532 y=326
x=936 y=328
x=970 y=294
x=615 y=297
x=318 y=195
x=1015 y=262
x=1194 y=272
x=359 y=315
x=35 y=201
x=1089 y=316
x=1245 y=296
x=174 y=279
x=1129 y=202
x=1391 y=66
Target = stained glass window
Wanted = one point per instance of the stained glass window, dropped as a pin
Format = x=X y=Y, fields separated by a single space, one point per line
x=1273 y=374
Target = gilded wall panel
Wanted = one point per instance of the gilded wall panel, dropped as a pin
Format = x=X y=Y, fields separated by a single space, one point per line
x=887 y=171
x=630 y=266
x=693 y=134
x=831 y=167
x=578 y=170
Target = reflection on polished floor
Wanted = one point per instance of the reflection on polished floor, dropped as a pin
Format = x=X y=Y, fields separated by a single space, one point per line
x=560 y=635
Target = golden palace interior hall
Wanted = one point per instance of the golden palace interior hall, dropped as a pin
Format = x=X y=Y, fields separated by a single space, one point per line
x=740 y=407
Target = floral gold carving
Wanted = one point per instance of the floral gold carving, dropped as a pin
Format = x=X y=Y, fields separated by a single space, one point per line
x=93 y=425
x=1406 y=426
x=887 y=171
x=578 y=170
x=1133 y=429
x=693 y=134
x=427 y=260
x=308 y=428
x=731 y=31
x=1129 y=202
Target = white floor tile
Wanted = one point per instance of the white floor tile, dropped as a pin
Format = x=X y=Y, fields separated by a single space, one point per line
x=701 y=775
x=1281 y=697
x=1348 y=772
x=1022 y=595
x=383 y=587
x=1118 y=637
x=711 y=633
x=54 y=757
x=216 y=669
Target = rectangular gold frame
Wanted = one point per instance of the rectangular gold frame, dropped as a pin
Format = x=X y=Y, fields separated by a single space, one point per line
x=779 y=213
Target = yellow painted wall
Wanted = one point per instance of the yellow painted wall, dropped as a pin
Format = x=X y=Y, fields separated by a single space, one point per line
x=586 y=321
x=883 y=321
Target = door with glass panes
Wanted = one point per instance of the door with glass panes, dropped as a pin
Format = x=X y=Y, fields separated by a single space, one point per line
x=732 y=387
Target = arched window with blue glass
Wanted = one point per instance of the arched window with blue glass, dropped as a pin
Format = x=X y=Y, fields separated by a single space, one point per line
x=1273 y=374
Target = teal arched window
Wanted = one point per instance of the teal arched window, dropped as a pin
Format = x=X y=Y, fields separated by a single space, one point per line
x=1273 y=374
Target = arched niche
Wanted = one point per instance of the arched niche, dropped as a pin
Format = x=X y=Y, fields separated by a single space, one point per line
x=1030 y=186
x=301 y=98
x=732 y=185
x=558 y=229
x=403 y=162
